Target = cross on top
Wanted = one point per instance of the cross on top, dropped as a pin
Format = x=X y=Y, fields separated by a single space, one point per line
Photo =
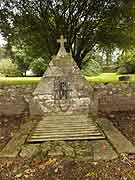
x=61 y=41
x=62 y=51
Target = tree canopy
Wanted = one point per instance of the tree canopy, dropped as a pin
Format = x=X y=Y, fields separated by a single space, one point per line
x=86 y=24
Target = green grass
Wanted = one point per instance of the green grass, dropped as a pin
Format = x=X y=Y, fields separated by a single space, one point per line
x=109 y=78
x=102 y=78
x=19 y=80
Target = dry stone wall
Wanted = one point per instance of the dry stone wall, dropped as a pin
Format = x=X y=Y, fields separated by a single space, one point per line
x=18 y=99
x=118 y=97
x=14 y=99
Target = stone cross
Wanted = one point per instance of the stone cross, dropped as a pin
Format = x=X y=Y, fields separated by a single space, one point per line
x=62 y=41
x=62 y=51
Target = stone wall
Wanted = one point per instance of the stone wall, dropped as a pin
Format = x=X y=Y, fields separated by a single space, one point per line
x=17 y=100
x=115 y=97
x=14 y=99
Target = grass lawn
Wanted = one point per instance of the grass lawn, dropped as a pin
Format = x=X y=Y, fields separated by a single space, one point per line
x=102 y=78
x=108 y=77
x=19 y=80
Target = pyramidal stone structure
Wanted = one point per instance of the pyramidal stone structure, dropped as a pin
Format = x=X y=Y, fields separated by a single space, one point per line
x=63 y=88
x=64 y=99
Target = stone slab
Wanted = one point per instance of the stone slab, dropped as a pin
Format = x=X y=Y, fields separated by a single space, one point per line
x=13 y=147
x=102 y=150
x=115 y=137
x=29 y=150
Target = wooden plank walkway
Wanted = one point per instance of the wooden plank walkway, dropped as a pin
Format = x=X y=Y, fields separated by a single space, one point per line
x=65 y=127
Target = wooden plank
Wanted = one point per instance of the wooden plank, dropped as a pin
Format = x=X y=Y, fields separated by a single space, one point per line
x=63 y=135
x=66 y=131
x=66 y=122
x=65 y=127
x=64 y=138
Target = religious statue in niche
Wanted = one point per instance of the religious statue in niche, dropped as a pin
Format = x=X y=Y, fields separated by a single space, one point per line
x=62 y=93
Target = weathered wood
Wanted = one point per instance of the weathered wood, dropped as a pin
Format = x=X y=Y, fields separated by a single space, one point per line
x=64 y=130
x=68 y=128
x=63 y=138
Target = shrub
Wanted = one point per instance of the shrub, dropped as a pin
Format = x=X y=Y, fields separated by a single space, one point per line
x=38 y=66
x=91 y=65
x=127 y=68
x=122 y=70
x=8 y=69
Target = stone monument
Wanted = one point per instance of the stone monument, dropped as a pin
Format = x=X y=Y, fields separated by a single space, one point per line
x=64 y=98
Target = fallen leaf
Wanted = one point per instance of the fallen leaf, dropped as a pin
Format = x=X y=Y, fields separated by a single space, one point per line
x=104 y=147
x=47 y=163
x=90 y=174
x=56 y=170
x=42 y=166
x=36 y=162
x=26 y=176
x=19 y=175
x=29 y=171
x=55 y=178
x=51 y=161
x=9 y=163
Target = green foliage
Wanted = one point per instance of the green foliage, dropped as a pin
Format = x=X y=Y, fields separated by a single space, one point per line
x=22 y=60
x=92 y=65
x=2 y=53
x=38 y=66
x=127 y=68
x=126 y=62
x=8 y=69
x=109 y=69
x=122 y=70
x=38 y=23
